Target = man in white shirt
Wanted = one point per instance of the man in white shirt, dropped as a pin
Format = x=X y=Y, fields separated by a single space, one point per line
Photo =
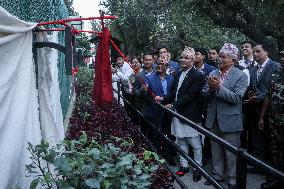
x=121 y=73
x=246 y=63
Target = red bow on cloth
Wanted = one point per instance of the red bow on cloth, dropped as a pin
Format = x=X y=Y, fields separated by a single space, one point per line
x=75 y=71
x=103 y=76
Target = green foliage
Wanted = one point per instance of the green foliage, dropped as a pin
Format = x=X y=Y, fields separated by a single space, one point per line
x=197 y=23
x=69 y=5
x=261 y=21
x=84 y=163
x=135 y=24
x=84 y=88
x=83 y=42
x=147 y=24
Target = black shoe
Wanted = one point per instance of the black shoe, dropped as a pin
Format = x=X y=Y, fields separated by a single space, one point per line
x=232 y=186
x=274 y=184
x=182 y=171
x=196 y=176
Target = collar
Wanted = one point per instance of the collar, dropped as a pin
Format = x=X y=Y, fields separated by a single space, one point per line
x=202 y=68
x=149 y=72
x=185 y=72
x=226 y=73
x=251 y=59
x=264 y=63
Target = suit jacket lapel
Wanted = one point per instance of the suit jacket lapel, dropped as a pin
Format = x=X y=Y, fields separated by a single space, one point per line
x=185 y=80
x=168 y=84
x=253 y=75
x=263 y=71
x=176 y=82
x=227 y=80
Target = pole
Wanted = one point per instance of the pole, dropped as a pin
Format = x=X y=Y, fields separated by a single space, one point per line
x=75 y=19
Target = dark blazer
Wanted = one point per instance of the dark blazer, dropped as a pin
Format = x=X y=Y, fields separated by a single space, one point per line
x=155 y=86
x=208 y=69
x=139 y=81
x=261 y=86
x=187 y=103
x=174 y=66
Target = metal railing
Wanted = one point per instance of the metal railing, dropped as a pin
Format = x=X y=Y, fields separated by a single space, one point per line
x=243 y=158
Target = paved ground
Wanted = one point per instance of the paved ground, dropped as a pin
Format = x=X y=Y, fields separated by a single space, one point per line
x=253 y=181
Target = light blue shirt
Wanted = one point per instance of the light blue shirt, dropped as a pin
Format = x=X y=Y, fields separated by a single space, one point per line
x=164 y=85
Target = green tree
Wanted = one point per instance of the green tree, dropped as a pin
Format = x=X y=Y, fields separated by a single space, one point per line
x=260 y=20
x=135 y=24
x=143 y=24
x=69 y=5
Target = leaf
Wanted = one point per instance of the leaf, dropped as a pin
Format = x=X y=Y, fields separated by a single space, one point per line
x=88 y=169
x=147 y=155
x=95 y=152
x=83 y=138
x=93 y=183
x=34 y=184
x=63 y=184
x=63 y=164
x=156 y=157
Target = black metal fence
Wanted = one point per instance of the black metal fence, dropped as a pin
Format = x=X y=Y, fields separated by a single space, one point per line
x=243 y=158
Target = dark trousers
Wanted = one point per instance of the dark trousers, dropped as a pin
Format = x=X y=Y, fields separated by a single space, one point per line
x=167 y=149
x=151 y=133
x=163 y=123
x=260 y=138
x=246 y=138
x=206 y=150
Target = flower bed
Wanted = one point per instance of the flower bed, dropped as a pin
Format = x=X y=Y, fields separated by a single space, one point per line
x=108 y=121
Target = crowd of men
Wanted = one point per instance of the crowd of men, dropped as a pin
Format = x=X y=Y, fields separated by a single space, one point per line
x=240 y=101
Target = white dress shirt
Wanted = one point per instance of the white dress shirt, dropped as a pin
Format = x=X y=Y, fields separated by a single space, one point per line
x=123 y=75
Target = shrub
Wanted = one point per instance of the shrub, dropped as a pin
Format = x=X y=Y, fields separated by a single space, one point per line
x=84 y=163
x=105 y=122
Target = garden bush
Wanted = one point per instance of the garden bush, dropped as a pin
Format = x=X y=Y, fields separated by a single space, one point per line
x=109 y=120
x=84 y=163
x=116 y=155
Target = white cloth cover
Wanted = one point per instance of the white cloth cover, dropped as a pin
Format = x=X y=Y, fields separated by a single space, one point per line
x=19 y=120
x=51 y=117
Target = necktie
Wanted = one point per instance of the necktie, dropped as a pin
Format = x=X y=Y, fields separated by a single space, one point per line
x=259 y=70
x=247 y=62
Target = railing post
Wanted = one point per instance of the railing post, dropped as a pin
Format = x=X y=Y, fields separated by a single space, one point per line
x=241 y=172
x=118 y=91
x=68 y=51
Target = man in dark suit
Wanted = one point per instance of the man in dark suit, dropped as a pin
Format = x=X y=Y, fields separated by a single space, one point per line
x=260 y=78
x=138 y=83
x=224 y=92
x=188 y=84
x=157 y=84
